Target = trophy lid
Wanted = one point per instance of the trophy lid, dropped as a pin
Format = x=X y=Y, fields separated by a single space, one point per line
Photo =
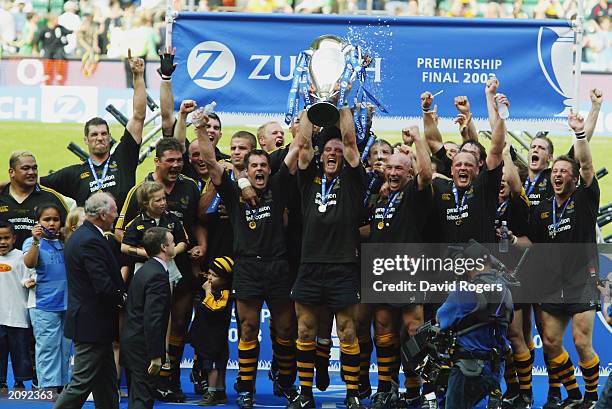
x=327 y=40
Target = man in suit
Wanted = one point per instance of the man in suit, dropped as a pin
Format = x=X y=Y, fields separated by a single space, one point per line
x=143 y=338
x=96 y=292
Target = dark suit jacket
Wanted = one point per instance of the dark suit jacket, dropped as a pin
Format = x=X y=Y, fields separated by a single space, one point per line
x=147 y=310
x=95 y=287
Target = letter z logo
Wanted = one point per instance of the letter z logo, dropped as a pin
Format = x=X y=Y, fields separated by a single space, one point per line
x=211 y=65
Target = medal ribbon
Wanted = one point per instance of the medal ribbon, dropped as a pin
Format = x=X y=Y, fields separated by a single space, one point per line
x=390 y=205
x=99 y=181
x=325 y=192
x=366 y=150
x=554 y=213
x=529 y=186
x=370 y=186
x=217 y=199
x=501 y=209
x=458 y=206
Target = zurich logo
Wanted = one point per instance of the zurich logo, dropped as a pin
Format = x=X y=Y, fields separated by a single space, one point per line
x=69 y=107
x=211 y=65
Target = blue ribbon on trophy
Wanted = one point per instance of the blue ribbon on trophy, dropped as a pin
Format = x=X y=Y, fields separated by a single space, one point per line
x=325 y=71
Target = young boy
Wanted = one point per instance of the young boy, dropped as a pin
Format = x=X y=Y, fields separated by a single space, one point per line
x=209 y=329
x=14 y=322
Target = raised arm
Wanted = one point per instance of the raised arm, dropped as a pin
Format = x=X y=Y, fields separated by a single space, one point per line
x=490 y=91
x=139 y=101
x=215 y=170
x=291 y=158
x=166 y=98
x=498 y=135
x=430 y=122
x=591 y=121
x=423 y=160
x=511 y=171
x=582 y=152
x=180 y=130
x=349 y=137
x=304 y=137
x=463 y=106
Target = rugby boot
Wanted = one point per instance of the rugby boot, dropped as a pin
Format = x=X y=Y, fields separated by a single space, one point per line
x=508 y=401
x=4 y=389
x=589 y=404
x=553 y=401
x=245 y=400
x=302 y=402
x=383 y=400
x=404 y=401
x=212 y=398
x=524 y=401
x=352 y=402
x=365 y=391
x=569 y=403
x=18 y=386
x=290 y=392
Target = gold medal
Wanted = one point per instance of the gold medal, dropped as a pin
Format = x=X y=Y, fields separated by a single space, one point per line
x=252 y=225
x=458 y=222
x=380 y=225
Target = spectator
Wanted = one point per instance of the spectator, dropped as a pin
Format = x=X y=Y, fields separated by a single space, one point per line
x=141 y=39
x=602 y=8
x=53 y=38
x=96 y=293
x=14 y=324
x=143 y=336
x=27 y=40
x=598 y=46
x=74 y=220
x=45 y=252
x=19 y=16
x=7 y=27
x=70 y=20
x=268 y=6
x=87 y=37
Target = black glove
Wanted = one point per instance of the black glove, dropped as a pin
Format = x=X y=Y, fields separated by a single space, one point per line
x=166 y=66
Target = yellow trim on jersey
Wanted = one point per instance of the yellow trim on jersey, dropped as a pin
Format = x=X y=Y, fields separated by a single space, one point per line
x=124 y=209
x=56 y=194
x=523 y=196
x=130 y=222
x=214 y=305
x=194 y=182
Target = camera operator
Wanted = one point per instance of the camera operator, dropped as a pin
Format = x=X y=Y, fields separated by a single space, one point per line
x=479 y=316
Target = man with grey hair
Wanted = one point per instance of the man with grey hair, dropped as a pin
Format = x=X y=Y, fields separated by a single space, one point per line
x=96 y=292
x=23 y=194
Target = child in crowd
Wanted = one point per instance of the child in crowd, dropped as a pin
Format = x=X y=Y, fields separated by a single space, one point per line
x=45 y=252
x=152 y=201
x=74 y=220
x=14 y=322
x=209 y=329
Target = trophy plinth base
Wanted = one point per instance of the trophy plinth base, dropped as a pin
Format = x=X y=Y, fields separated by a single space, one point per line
x=323 y=114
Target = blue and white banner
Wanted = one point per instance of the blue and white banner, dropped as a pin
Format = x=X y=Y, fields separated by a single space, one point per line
x=245 y=62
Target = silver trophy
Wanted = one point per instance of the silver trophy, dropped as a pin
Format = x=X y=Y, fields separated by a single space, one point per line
x=329 y=55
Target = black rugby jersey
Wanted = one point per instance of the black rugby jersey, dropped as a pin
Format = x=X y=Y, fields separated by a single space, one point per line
x=77 y=181
x=21 y=215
